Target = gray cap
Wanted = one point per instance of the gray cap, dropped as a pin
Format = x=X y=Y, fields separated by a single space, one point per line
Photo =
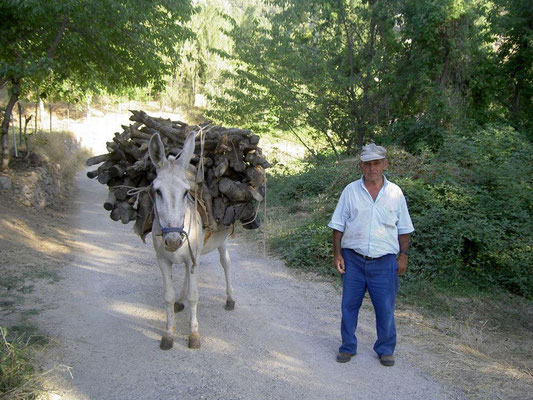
x=372 y=152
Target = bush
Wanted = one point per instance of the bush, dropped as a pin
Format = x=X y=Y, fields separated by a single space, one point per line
x=472 y=211
x=307 y=247
x=470 y=202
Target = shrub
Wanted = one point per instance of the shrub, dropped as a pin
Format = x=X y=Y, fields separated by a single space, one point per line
x=471 y=204
x=472 y=211
x=307 y=247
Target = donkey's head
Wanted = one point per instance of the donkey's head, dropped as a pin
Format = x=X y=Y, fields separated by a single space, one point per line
x=171 y=190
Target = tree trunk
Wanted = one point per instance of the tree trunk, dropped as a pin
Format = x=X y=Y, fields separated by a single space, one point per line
x=15 y=93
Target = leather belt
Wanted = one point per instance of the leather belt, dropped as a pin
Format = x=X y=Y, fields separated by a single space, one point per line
x=366 y=257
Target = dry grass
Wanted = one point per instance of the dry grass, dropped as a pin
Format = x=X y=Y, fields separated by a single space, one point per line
x=484 y=347
x=63 y=149
x=34 y=244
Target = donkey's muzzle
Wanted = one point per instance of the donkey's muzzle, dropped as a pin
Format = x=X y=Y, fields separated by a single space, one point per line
x=171 y=245
x=173 y=238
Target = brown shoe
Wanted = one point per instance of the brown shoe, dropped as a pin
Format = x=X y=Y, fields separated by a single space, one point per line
x=344 y=357
x=387 y=361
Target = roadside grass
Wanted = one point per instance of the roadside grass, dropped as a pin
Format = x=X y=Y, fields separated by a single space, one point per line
x=62 y=148
x=17 y=372
x=34 y=245
x=478 y=338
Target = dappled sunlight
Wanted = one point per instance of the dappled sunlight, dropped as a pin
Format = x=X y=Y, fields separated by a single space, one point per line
x=137 y=310
x=221 y=346
x=286 y=362
x=149 y=332
x=11 y=228
x=509 y=371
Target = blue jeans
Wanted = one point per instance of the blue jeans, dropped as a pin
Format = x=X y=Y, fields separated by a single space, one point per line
x=380 y=277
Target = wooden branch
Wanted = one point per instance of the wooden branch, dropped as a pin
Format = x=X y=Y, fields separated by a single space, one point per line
x=230 y=187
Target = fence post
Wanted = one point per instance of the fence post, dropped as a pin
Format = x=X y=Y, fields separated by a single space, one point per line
x=50 y=109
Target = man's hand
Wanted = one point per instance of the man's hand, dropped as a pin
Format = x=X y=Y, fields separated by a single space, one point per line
x=402 y=263
x=338 y=263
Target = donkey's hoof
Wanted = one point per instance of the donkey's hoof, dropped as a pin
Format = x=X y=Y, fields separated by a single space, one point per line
x=194 y=341
x=178 y=307
x=166 y=343
x=230 y=305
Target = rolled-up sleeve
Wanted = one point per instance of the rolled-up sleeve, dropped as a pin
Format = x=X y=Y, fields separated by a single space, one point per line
x=405 y=225
x=340 y=215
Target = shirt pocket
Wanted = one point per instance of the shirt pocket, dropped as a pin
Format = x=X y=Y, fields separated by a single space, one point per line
x=387 y=216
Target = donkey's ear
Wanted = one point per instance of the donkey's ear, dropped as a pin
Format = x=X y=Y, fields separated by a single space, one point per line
x=156 y=149
x=187 y=151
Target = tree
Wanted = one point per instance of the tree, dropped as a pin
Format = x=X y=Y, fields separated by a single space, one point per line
x=350 y=71
x=199 y=67
x=92 y=45
x=315 y=65
x=512 y=25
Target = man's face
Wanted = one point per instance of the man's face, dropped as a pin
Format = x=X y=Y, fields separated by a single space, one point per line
x=373 y=170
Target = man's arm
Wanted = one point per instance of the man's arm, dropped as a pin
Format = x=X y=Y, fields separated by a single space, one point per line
x=338 y=260
x=403 y=240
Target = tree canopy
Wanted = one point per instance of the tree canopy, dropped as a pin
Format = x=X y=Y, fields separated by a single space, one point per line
x=73 y=46
x=406 y=71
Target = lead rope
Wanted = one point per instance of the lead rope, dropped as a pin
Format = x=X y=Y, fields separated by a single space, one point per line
x=134 y=191
x=199 y=173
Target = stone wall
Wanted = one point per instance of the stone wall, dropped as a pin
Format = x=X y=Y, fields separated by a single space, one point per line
x=36 y=184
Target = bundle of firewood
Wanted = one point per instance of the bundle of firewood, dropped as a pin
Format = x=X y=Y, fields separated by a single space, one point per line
x=227 y=172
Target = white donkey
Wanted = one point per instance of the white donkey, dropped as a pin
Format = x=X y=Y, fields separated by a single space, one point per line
x=182 y=238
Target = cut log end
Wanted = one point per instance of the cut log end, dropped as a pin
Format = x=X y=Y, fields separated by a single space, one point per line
x=232 y=162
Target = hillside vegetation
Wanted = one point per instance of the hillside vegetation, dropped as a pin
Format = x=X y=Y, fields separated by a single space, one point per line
x=470 y=202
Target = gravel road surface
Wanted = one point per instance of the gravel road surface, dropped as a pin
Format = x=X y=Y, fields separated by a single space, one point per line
x=279 y=342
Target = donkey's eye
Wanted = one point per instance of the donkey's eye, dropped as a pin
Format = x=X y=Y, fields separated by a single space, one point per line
x=185 y=195
x=158 y=192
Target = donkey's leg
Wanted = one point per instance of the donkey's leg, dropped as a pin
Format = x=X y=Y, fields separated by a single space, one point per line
x=192 y=299
x=167 y=340
x=225 y=261
x=179 y=305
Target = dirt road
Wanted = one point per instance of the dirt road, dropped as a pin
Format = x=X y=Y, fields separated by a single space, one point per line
x=278 y=343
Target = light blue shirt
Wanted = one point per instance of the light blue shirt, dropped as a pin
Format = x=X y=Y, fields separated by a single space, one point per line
x=372 y=227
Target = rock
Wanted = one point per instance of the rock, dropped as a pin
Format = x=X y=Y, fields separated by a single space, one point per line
x=5 y=183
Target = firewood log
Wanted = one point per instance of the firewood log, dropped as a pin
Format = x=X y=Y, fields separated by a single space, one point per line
x=145 y=216
x=221 y=165
x=124 y=212
x=116 y=171
x=231 y=185
x=235 y=191
x=219 y=207
x=92 y=174
x=97 y=159
x=255 y=175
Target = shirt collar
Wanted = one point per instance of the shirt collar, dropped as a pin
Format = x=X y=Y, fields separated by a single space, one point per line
x=385 y=181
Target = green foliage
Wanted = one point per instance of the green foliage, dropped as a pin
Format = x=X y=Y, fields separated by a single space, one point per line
x=62 y=49
x=91 y=44
x=312 y=180
x=513 y=60
x=472 y=212
x=349 y=71
x=307 y=247
x=197 y=65
x=471 y=203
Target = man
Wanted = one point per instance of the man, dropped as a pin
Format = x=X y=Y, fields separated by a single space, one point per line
x=371 y=227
